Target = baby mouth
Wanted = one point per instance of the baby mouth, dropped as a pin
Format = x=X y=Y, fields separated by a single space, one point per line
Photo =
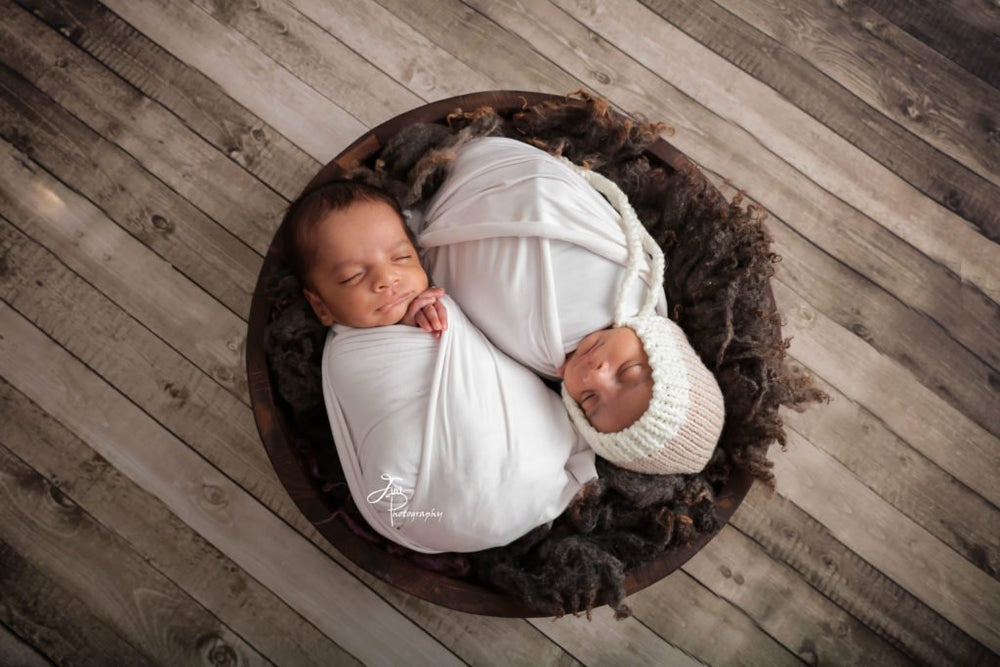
x=392 y=303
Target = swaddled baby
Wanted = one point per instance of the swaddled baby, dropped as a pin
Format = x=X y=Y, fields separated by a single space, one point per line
x=570 y=283
x=446 y=443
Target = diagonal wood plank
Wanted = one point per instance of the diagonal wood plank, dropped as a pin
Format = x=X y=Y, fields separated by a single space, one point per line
x=153 y=213
x=791 y=536
x=960 y=31
x=395 y=48
x=57 y=623
x=312 y=55
x=635 y=643
x=954 y=186
x=154 y=376
x=898 y=546
x=15 y=651
x=685 y=612
x=921 y=90
x=318 y=126
x=786 y=607
x=818 y=153
x=148 y=610
x=211 y=504
x=507 y=61
x=889 y=391
x=122 y=268
x=160 y=538
x=909 y=481
x=201 y=103
x=155 y=137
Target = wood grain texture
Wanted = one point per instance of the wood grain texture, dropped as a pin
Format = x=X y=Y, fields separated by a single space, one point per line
x=790 y=535
x=182 y=235
x=156 y=138
x=146 y=608
x=121 y=267
x=899 y=547
x=253 y=144
x=906 y=407
x=905 y=478
x=413 y=60
x=824 y=157
x=679 y=608
x=952 y=185
x=310 y=120
x=786 y=607
x=16 y=652
x=303 y=48
x=57 y=623
x=961 y=31
x=160 y=538
x=918 y=88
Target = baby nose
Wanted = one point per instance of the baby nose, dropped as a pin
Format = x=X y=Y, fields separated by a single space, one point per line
x=599 y=375
x=386 y=278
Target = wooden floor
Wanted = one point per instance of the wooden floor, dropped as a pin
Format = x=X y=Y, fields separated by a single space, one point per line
x=148 y=149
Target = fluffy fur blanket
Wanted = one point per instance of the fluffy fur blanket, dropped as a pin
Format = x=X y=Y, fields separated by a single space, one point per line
x=719 y=263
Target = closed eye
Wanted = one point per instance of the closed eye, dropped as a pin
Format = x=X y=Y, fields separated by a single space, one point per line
x=354 y=279
x=629 y=371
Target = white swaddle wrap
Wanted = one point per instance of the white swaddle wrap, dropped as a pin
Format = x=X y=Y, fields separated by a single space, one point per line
x=532 y=252
x=448 y=445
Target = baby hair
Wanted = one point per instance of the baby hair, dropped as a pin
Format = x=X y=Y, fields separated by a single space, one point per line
x=312 y=206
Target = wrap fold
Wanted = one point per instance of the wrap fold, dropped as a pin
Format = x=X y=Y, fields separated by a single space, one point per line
x=530 y=250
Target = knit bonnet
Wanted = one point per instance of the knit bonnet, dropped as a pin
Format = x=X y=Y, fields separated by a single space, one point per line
x=679 y=430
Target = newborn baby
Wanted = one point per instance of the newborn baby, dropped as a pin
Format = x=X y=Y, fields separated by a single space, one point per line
x=566 y=282
x=446 y=443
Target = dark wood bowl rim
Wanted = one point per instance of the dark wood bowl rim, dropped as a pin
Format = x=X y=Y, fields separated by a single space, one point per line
x=434 y=587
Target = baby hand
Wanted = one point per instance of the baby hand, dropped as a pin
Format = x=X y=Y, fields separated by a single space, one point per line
x=427 y=312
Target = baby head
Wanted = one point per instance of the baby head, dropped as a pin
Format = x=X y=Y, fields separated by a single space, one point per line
x=356 y=259
x=638 y=393
x=641 y=397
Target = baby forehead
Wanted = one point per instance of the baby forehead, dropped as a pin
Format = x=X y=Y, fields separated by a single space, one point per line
x=362 y=222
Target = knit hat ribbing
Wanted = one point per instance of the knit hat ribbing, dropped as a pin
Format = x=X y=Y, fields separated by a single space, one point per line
x=681 y=426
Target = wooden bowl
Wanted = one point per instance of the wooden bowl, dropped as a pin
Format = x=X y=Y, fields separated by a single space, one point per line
x=273 y=426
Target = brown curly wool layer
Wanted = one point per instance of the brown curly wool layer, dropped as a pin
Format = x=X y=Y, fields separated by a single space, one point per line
x=719 y=264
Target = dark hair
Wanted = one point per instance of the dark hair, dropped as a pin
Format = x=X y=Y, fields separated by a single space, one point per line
x=312 y=205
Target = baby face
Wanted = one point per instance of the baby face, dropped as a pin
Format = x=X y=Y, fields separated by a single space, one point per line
x=609 y=376
x=365 y=270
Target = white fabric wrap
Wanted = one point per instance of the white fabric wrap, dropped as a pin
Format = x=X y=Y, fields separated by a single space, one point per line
x=448 y=445
x=529 y=249
x=539 y=259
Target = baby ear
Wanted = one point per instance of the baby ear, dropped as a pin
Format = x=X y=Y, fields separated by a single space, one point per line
x=322 y=312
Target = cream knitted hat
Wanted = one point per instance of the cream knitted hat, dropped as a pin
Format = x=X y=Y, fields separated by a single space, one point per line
x=679 y=430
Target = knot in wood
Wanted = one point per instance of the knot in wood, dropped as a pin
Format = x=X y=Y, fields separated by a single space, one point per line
x=214 y=495
x=162 y=223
